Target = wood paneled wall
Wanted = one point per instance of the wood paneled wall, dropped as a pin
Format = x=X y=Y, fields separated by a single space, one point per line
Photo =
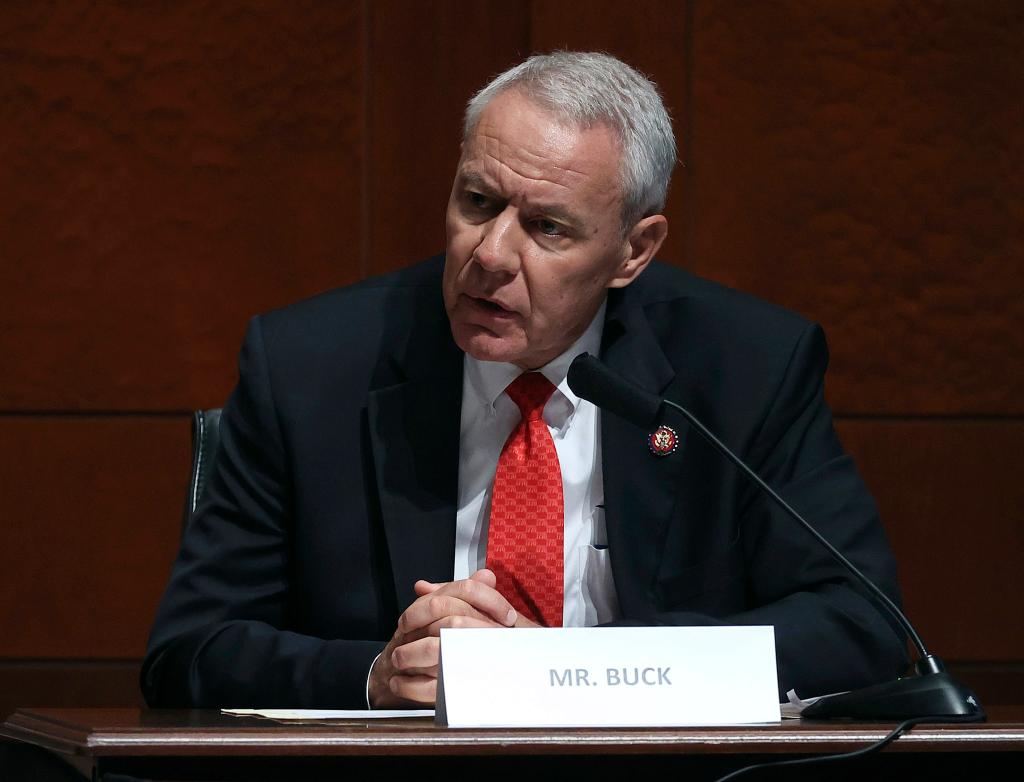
x=169 y=169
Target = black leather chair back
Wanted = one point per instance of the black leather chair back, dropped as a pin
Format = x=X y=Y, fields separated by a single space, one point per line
x=205 y=441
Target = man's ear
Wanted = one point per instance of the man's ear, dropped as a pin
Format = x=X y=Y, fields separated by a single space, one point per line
x=643 y=242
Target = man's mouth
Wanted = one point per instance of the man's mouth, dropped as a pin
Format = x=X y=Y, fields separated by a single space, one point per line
x=491 y=307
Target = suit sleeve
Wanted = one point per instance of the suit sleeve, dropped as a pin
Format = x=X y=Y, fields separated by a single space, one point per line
x=221 y=637
x=829 y=634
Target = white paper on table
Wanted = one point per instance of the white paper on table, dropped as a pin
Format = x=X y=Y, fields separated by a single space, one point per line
x=328 y=715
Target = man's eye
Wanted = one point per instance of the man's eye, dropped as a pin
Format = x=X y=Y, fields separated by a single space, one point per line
x=478 y=200
x=548 y=227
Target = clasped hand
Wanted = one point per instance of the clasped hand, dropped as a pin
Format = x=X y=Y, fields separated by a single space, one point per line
x=406 y=672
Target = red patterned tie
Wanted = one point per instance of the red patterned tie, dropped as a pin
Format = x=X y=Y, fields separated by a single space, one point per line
x=524 y=539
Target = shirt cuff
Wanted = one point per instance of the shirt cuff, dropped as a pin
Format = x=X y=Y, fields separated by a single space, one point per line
x=368 y=679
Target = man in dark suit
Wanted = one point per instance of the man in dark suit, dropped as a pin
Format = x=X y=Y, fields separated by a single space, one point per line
x=357 y=504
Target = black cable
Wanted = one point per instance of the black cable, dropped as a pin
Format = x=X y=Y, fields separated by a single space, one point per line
x=888 y=739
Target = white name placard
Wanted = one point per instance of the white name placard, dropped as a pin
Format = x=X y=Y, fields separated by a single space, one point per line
x=607 y=677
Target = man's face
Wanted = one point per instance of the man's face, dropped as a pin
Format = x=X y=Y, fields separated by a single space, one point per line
x=534 y=233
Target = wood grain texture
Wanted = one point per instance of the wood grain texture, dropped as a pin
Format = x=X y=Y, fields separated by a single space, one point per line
x=91 y=521
x=950 y=494
x=861 y=162
x=208 y=733
x=426 y=61
x=169 y=170
x=651 y=36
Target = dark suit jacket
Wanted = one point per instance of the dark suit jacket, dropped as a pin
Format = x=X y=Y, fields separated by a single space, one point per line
x=335 y=489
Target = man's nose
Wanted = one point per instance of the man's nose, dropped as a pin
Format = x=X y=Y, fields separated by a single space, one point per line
x=498 y=250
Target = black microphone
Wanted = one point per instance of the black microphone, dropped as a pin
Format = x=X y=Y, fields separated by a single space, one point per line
x=590 y=379
x=932 y=693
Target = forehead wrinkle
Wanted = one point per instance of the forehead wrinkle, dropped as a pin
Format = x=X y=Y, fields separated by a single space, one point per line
x=515 y=183
x=513 y=169
x=550 y=159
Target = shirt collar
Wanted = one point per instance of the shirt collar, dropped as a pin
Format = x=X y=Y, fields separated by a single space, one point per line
x=489 y=379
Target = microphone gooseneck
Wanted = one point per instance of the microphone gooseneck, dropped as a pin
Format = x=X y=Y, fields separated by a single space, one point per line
x=933 y=692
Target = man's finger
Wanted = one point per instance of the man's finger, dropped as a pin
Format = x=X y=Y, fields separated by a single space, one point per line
x=479 y=592
x=434 y=628
x=463 y=598
x=430 y=608
x=414 y=689
x=485 y=576
x=422 y=587
x=419 y=656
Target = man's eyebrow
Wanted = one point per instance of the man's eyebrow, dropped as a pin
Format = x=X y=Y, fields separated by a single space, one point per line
x=561 y=214
x=555 y=212
x=474 y=180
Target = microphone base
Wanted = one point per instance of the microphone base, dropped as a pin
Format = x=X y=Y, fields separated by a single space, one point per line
x=930 y=695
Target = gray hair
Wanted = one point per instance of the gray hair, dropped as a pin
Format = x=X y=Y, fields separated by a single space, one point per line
x=586 y=89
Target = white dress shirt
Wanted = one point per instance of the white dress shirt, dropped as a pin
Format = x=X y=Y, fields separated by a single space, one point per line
x=488 y=418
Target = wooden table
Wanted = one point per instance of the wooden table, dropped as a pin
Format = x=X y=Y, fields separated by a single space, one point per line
x=194 y=745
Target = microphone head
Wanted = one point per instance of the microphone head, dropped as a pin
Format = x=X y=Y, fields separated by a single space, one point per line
x=592 y=380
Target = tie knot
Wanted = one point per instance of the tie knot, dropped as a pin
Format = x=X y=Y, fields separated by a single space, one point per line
x=530 y=391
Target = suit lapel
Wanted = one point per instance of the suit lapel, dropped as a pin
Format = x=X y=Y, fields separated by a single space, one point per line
x=640 y=488
x=414 y=432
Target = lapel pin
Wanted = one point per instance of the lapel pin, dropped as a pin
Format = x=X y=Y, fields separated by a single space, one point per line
x=663 y=440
